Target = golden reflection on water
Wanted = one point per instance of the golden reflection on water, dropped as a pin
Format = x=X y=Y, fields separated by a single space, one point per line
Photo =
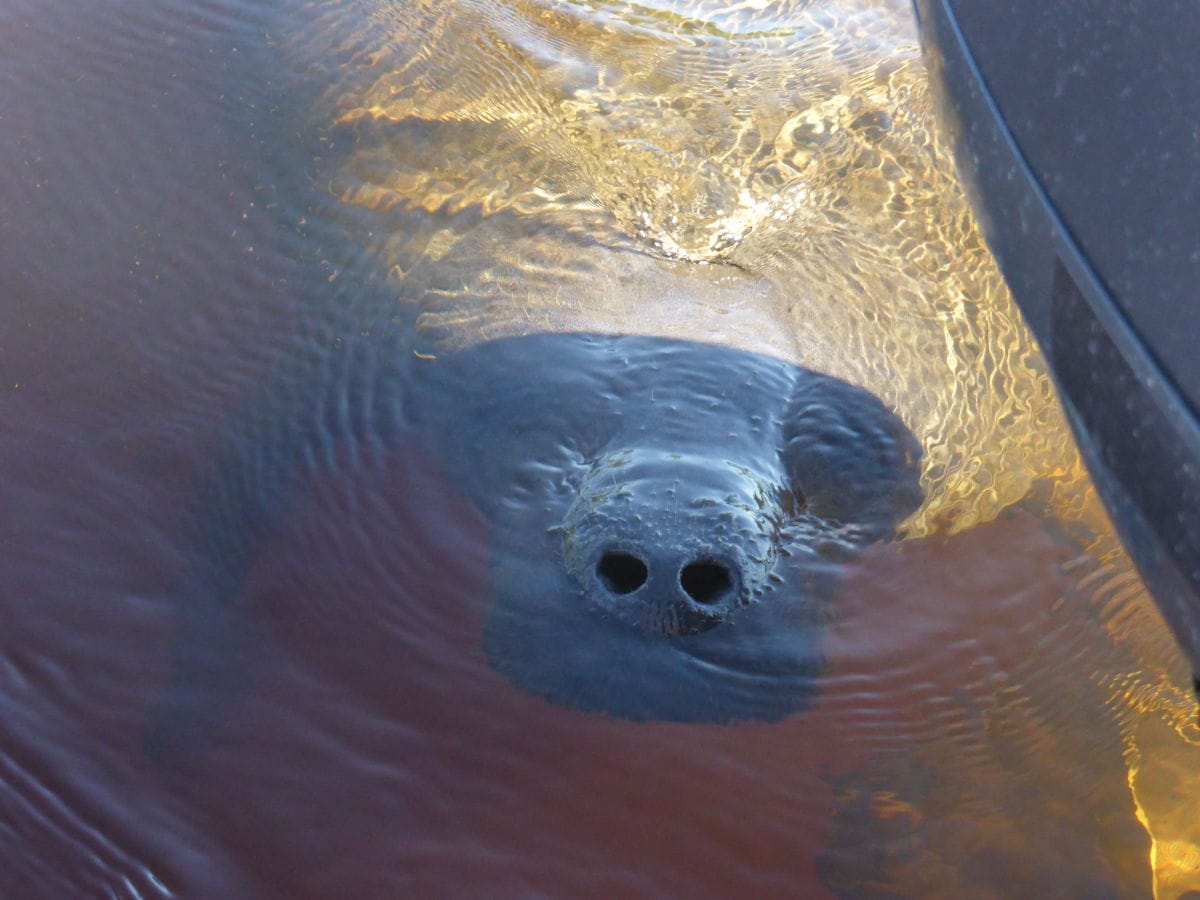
x=763 y=174
x=792 y=142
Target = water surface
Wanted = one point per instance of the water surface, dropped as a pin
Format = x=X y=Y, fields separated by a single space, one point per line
x=214 y=210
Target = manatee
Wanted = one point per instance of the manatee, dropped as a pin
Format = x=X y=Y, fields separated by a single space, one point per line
x=763 y=176
x=683 y=510
x=687 y=349
x=688 y=303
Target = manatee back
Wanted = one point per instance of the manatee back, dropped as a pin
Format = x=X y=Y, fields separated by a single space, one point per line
x=772 y=182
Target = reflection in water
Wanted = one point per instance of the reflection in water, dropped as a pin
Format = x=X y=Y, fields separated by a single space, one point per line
x=791 y=141
x=225 y=220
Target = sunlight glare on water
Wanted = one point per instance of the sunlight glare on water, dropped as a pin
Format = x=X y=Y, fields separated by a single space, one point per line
x=804 y=155
x=245 y=587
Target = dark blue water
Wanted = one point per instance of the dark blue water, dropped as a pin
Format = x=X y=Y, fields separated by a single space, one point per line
x=254 y=557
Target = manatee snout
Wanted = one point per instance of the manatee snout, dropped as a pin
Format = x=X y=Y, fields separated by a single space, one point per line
x=668 y=595
x=665 y=589
x=671 y=543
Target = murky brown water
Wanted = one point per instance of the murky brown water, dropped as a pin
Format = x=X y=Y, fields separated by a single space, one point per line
x=202 y=198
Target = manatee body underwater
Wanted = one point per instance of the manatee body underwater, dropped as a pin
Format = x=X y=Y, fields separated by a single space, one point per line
x=682 y=393
x=684 y=382
x=688 y=337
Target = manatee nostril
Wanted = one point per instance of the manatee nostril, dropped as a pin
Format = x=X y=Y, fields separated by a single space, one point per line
x=706 y=581
x=621 y=573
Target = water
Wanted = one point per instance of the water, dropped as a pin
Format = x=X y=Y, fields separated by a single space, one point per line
x=247 y=590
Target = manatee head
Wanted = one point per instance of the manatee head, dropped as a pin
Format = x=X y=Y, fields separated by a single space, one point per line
x=668 y=518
